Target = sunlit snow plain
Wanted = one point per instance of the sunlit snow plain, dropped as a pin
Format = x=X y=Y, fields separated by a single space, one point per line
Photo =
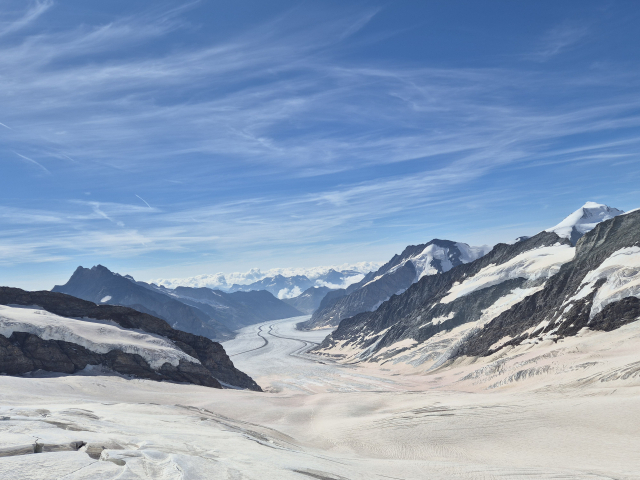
x=561 y=410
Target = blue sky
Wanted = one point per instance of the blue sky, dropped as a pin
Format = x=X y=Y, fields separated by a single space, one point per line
x=167 y=139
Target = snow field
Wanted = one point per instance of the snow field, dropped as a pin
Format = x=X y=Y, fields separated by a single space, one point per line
x=94 y=335
x=547 y=411
x=543 y=262
x=622 y=273
x=584 y=219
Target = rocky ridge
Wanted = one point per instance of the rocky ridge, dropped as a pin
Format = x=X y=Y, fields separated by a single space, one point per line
x=393 y=278
x=201 y=311
x=538 y=288
x=309 y=300
x=24 y=352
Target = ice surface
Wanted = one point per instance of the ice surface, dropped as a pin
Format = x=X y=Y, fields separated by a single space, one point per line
x=542 y=262
x=105 y=299
x=531 y=413
x=97 y=336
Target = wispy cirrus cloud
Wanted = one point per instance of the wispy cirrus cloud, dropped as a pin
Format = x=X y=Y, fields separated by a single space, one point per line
x=558 y=40
x=271 y=139
x=35 y=10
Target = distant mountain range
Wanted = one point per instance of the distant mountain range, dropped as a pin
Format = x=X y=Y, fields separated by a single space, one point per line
x=282 y=283
x=309 y=300
x=583 y=273
x=201 y=311
x=428 y=306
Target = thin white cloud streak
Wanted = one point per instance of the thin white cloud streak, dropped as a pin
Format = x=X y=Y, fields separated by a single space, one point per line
x=558 y=40
x=247 y=120
x=33 y=162
x=145 y=202
x=30 y=16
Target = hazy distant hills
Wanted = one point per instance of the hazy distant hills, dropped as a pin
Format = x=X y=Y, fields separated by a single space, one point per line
x=541 y=288
x=309 y=300
x=291 y=286
x=202 y=311
x=281 y=282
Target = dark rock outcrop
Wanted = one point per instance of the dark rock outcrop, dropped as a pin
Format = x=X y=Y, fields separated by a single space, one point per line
x=23 y=352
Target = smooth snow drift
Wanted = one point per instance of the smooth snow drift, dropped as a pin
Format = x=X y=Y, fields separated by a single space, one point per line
x=94 y=335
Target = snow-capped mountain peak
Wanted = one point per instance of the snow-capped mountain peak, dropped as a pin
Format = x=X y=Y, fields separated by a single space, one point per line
x=584 y=220
x=441 y=256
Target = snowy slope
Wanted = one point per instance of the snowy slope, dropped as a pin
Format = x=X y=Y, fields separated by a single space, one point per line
x=97 y=336
x=542 y=262
x=621 y=272
x=394 y=277
x=584 y=220
x=441 y=312
x=436 y=259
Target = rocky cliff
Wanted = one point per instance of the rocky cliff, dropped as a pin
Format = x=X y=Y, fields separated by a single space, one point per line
x=393 y=278
x=21 y=352
x=540 y=288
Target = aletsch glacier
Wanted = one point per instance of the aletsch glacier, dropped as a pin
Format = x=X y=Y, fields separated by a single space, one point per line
x=431 y=347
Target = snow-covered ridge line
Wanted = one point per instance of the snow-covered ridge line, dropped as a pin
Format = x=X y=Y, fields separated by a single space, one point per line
x=225 y=280
x=436 y=259
x=97 y=336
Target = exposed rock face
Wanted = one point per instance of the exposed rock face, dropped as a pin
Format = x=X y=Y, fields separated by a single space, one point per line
x=418 y=314
x=309 y=300
x=560 y=309
x=100 y=285
x=202 y=311
x=538 y=288
x=393 y=278
x=23 y=352
x=237 y=309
